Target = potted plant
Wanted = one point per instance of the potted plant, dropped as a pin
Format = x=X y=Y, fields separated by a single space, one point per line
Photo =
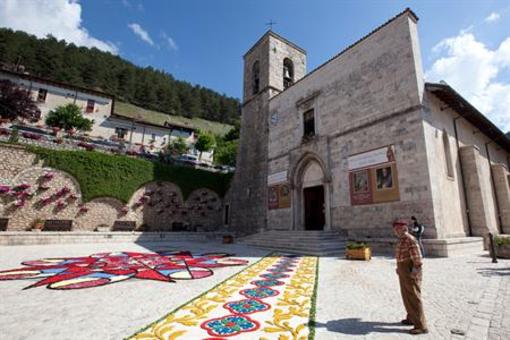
x=502 y=246
x=228 y=239
x=358 y=251
x=37 y=224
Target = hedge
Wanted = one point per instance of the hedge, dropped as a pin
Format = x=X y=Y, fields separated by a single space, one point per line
x=119 y=176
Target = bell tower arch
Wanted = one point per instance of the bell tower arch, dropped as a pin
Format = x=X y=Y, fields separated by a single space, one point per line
x=271 y=65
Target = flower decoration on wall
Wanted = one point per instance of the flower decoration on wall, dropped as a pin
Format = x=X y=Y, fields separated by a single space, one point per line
x=61 y=205
x=21 y=187
x=19 y=203
x=48 y=176
x=62 y=192
x=46 y=201
x=4 y=189
x=83 y=209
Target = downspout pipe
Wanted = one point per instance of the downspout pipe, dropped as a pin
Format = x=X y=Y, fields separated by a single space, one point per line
x=468 y=213
x=498 y=215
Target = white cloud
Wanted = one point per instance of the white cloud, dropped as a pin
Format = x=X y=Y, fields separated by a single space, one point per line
x=169 y=42
x=493 y=17
x=60 y=18
x=141 y=33
x=477 y=73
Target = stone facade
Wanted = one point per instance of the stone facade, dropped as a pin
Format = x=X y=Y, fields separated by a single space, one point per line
x=156 y=206
x=370 y=97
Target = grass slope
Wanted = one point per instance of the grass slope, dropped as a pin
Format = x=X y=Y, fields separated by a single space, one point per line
x=119 y=176
x=159 y=118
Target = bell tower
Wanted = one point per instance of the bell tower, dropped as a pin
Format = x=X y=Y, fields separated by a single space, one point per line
x=272 y=65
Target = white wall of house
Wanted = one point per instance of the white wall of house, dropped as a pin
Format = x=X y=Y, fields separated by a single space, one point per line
x=99 y=108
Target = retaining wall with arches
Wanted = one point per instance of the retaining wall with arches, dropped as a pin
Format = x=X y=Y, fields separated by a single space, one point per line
x=30 y=191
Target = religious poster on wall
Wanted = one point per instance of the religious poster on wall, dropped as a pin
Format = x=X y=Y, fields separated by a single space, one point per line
x=373 y=176
x=272 y=197
x=284 y=196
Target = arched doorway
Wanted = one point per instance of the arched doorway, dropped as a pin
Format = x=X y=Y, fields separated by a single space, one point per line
x=311 y=194
x=313 y=197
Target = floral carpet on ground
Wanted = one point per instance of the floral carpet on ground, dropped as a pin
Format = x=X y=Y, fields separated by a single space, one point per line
x=272 y=299
x=106 y=268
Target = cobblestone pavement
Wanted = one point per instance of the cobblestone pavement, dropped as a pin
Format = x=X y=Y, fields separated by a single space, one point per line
x=467 y=295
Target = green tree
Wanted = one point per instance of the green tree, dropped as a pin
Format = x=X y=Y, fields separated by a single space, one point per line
x=68 y=117
x=177 y=147
x=205 y=142
x=16 y=102
x=225 y=153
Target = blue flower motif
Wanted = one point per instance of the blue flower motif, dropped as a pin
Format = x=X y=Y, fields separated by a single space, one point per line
x=246 y=306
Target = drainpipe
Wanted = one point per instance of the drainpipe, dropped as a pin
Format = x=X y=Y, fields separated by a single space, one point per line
x=500 y=223
x=468 y=213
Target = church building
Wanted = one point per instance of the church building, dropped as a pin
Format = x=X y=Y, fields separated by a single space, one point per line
x=362 y=140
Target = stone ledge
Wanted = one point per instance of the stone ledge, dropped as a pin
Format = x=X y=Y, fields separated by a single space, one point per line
x=37 y=238
x=433 y=247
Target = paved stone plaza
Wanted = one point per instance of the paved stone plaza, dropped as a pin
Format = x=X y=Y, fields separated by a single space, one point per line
x=354 y=299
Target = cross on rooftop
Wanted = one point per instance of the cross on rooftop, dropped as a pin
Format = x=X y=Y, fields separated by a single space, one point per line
x=270 y=24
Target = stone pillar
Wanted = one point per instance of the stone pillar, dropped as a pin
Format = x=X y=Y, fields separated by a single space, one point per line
x=502 y=184
x=477 y=199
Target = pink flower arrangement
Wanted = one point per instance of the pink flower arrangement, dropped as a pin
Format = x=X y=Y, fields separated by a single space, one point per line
x=21 y=187
x=83 y=209
x=4 y=189
x=61 y=205
x=62 y=192
x=46 y=201
x=48 y=176
x=19 y=203
x=72 y=197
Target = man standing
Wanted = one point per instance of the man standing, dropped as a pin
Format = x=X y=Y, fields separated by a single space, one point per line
x=409 y=270
x=417 y=230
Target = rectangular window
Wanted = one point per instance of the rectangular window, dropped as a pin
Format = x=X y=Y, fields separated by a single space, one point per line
x=41 y=95
x=309 y=124
x=447 y=155
x=227 y=212
x=154 y=136
x=121 y=132
x=90 y=106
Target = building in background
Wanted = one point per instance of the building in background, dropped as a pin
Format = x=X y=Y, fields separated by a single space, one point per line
x=139 y=132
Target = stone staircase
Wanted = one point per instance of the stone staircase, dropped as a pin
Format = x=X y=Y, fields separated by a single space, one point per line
x=317 y=243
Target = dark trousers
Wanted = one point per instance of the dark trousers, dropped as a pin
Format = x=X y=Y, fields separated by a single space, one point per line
x=411 y=294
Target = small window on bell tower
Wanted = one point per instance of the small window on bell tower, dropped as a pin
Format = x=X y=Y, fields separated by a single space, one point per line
x=288 y=73
x=255 y=73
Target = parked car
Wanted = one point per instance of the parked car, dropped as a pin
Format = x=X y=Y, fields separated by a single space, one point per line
x=31 y=129
x=187 y=159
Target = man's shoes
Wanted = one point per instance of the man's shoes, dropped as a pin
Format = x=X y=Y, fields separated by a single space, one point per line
x=406 y=322
x=416 y=331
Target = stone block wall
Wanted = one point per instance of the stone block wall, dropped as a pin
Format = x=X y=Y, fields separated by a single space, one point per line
x=156 y=206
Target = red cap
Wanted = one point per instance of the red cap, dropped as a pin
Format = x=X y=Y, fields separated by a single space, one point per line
x=400 y=221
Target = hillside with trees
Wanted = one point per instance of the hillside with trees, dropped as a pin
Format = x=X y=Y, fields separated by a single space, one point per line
x=89 y=67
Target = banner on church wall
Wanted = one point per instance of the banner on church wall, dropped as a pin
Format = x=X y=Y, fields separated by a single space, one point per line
x=373 y=177
x=279 y=196
x=277 y=177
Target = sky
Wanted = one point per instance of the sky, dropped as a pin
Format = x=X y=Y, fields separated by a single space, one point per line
x=465 y=43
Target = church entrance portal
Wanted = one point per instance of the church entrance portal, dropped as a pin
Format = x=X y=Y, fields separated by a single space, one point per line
x=314 y=208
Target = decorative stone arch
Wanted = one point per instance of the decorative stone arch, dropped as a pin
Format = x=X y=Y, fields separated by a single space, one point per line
x=32 y=174
x=308 y=165
x=163 y=207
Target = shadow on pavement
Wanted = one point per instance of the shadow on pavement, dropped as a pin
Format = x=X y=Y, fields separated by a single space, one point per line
x=488 y=272
x=354 y=326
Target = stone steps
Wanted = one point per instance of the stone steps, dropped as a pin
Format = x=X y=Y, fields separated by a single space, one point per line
x=318 y=243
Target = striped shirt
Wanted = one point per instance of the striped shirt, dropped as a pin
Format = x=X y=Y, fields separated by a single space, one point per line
x=408 y=248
